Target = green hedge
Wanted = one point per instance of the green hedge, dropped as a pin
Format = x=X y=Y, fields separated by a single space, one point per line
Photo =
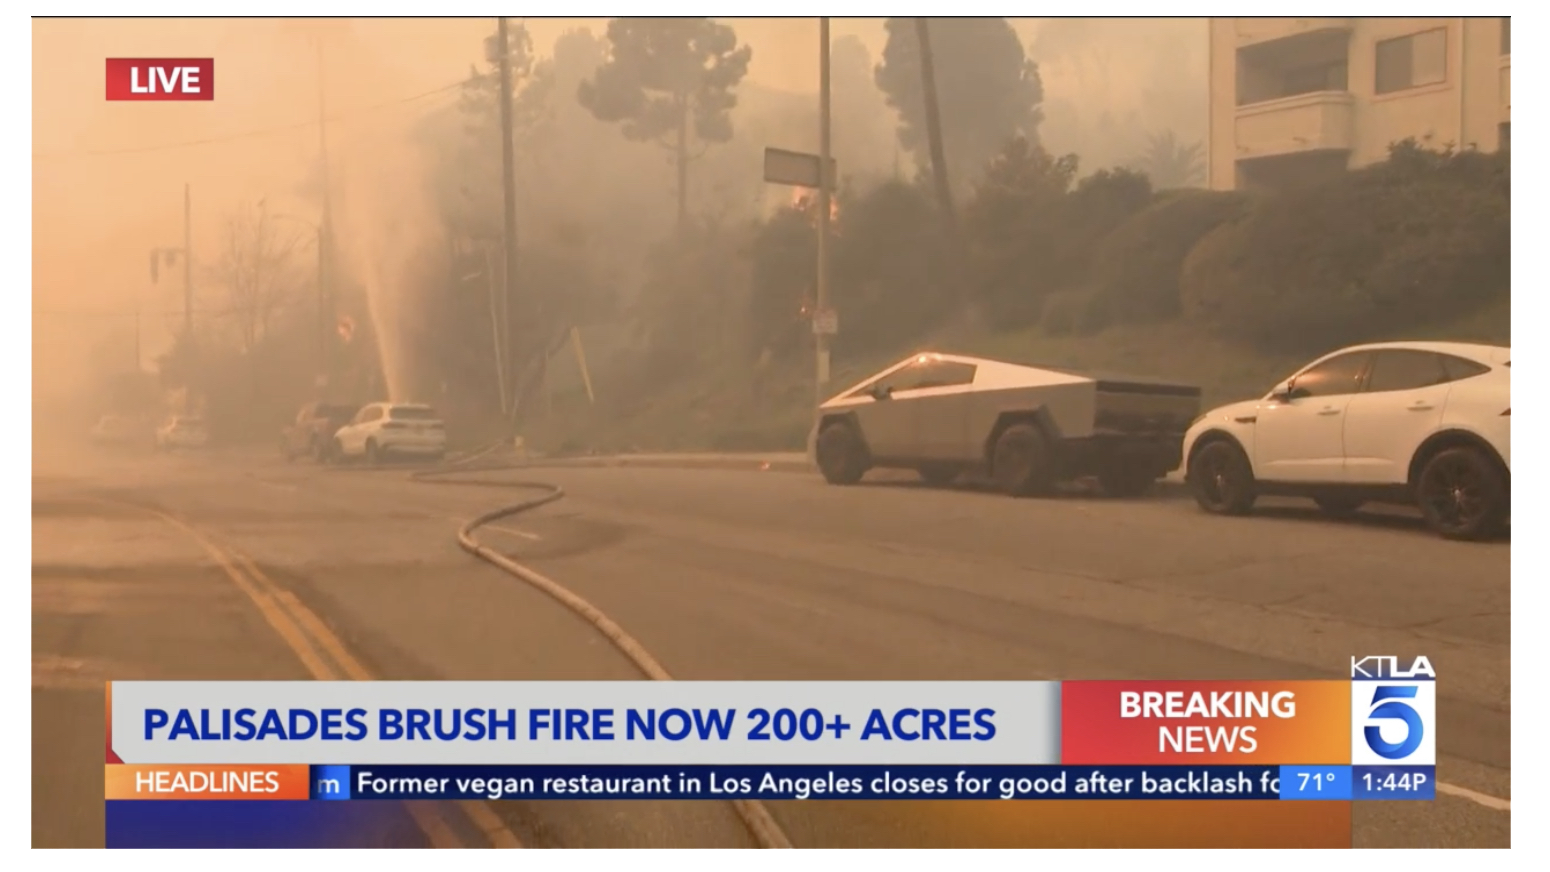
x=1422 y=237
x=1136 y=269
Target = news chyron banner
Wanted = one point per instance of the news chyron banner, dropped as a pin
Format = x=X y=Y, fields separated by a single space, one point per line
x=334 y=764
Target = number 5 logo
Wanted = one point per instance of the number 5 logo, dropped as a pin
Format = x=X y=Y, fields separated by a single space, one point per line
x=1387 y=707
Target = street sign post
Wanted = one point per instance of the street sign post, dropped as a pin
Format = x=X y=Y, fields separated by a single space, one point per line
x=818 y=171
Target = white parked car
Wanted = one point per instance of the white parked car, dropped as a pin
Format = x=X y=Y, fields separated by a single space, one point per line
x=383 y=430
x=1427 y=423
x=182 y=431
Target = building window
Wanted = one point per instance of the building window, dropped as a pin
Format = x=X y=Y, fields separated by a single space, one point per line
x=1506 y=36
x=1412 y=61
x=1504 y=136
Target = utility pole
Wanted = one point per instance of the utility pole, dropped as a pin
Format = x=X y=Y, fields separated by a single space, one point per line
x=509 y=195
x=825 y=193
x=944 y=191
x=325 y=239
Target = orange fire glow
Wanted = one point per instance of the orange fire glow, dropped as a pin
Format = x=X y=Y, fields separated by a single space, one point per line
x=806 y=200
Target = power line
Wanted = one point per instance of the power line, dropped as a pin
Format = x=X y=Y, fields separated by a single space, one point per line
x=250 y=134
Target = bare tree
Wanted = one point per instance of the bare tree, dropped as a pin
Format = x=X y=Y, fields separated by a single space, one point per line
x=260 y=268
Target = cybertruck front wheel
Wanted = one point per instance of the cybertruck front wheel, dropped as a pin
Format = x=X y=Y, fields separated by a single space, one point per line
x=841 y=456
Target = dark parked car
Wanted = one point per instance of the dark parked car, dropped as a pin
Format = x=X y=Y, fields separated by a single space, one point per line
x=312 y=433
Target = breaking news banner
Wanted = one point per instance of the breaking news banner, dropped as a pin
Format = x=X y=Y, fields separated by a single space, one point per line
x=161 y=78
x=333 y=764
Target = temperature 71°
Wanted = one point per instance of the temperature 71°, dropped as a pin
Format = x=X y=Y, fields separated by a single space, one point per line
x=1317 y=779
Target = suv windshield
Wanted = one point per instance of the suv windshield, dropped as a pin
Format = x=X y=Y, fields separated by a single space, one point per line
x=412 y=413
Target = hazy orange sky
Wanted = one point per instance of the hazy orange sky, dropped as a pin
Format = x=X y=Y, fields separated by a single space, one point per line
x=97 y=215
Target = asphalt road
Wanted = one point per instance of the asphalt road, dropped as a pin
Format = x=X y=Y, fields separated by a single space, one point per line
x=740 y=575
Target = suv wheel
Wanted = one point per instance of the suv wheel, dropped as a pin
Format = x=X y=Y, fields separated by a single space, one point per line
x=1222 y=479
x=373 y=454
x=1463 y=495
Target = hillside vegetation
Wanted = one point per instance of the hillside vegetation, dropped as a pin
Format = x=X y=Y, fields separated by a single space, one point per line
x=1229 y=291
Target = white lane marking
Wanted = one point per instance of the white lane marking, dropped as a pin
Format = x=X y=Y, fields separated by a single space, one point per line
x=1491 y=802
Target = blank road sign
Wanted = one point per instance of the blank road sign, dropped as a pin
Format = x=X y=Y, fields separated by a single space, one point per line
x=794 y=168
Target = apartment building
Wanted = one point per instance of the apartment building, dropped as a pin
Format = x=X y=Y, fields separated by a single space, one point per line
x=1292 y=99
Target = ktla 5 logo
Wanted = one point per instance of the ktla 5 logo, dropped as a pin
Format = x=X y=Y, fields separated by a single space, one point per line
x=1393 y=712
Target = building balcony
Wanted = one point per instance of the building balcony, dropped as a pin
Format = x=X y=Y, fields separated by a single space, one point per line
x=1252 y=31
x=1320 y=121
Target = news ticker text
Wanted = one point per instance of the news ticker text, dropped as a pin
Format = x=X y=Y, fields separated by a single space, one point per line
x=392 y=782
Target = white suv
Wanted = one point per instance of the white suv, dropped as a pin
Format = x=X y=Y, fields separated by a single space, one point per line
x=1415 y=422
x=381 y=430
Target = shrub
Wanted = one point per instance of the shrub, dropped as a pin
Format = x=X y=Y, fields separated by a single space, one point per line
x=1032 y=233
x=1136 y=268
x=890 y=270
x=1423 y=237
x=1012 y=226
x=783 y=261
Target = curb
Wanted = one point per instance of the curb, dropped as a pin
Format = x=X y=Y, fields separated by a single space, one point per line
x=747 y=464
x=1173 y=485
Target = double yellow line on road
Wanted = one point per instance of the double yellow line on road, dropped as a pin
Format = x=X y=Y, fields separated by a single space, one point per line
x=327 y=658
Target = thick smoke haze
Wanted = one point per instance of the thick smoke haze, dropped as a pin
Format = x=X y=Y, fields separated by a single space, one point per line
x=107 y=188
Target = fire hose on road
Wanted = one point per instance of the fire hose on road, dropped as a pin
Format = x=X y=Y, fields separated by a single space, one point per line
x=761 y=825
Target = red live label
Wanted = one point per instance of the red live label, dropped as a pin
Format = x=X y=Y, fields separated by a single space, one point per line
x=161 y=78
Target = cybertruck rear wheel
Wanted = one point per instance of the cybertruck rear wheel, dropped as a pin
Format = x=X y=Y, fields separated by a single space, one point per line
x=1021 y=464
x=841 y=455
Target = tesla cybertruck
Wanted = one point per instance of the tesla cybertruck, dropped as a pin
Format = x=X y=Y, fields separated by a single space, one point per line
x=1028 y=427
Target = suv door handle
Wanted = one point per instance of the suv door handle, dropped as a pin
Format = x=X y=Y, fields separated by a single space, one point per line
x=1330 y=410
x=1420 y=407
